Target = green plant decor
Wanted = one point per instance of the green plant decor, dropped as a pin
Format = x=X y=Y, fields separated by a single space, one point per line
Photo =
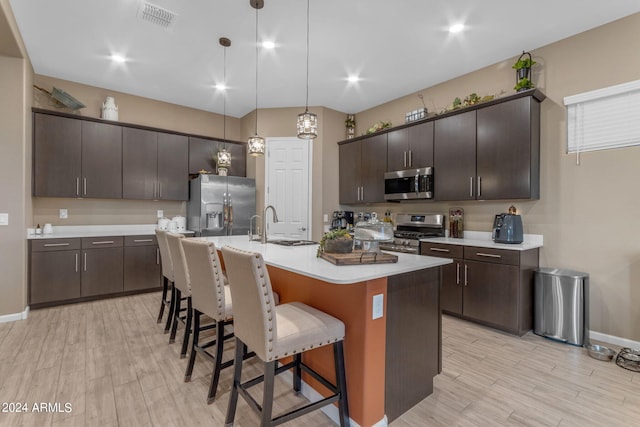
x=332 y=235
x=378 y=126
x=523 y=84
x=523 y=63
x=350 y=123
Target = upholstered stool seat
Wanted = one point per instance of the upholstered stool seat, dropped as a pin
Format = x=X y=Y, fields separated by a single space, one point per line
x=275 y=332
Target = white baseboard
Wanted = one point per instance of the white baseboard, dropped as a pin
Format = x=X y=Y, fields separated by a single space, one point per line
x=16 y=316
x=622 y=342
x=330 y=411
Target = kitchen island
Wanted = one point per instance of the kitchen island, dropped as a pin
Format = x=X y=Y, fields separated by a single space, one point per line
x=391 y=357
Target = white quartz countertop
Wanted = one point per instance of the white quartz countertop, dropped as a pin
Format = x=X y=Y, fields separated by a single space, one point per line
x=303 y=260
x=73 y=231
x=483 y=239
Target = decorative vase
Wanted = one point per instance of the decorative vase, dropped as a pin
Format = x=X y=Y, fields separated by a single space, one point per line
x=110 y=109
x=338 y=246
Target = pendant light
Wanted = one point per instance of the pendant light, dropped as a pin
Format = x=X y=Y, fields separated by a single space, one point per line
x=255 y=144
x=307 y=122
x=223 y=159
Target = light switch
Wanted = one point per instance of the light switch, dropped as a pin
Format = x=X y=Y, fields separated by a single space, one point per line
x=160 y=213
x=325 y=218
x=64 y=214
x=4 y=219
x=378 y=306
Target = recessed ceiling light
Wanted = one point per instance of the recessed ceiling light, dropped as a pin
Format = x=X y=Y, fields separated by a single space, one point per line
x=353 y=79
x=221 y=86
x=456 y=28
x=118 y=58
x=268 y=45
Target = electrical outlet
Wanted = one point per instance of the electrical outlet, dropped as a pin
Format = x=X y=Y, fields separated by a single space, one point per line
x=64 y=214
x=4 y=219
x=378 y=306
x=160 y=213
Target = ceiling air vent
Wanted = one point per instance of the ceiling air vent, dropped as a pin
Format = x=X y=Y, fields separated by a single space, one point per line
x=156 y=15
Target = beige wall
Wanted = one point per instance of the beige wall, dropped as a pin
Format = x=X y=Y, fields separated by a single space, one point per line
x=281 y=122
x=15 y=162
x=587 y=213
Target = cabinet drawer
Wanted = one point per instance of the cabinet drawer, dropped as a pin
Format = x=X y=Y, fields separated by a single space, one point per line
x=143 y=240
x=497 y=256
x=102 y=242
x=441 y=250
x=54 y=245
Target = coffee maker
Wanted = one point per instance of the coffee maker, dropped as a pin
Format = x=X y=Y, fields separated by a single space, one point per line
x=342 y=220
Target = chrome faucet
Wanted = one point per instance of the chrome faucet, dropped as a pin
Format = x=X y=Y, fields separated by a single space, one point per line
x=264 y=222
x=251 y=230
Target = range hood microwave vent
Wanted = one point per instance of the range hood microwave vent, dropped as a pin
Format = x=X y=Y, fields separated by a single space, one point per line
x=156 y=15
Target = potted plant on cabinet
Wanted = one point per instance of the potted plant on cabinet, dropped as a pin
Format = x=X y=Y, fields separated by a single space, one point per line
x=523 y=72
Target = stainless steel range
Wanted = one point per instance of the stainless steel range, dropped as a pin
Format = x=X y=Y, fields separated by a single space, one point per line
x=410 y=228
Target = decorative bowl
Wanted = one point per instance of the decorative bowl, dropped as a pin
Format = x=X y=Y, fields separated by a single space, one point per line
x=600 y=352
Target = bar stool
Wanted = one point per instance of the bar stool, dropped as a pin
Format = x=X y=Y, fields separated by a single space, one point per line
x=274 y=332
x=209 y=296
x=182 y=291
x=167 y=279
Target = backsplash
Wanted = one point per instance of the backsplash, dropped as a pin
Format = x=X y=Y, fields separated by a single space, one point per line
x=102 y=211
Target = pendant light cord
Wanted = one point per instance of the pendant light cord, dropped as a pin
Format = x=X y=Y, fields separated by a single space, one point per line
x=307 y=102
x=256 y=71
x=224 y=100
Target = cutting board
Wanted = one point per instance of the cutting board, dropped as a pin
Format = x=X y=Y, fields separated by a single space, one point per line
x=359 y=257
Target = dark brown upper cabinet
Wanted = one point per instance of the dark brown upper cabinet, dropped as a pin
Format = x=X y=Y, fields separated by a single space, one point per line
x=74 y=158
x=154 y=165
x=455 y=157
x=362 y=165
x=410 y=148
x=202 y=156
x=508 y=150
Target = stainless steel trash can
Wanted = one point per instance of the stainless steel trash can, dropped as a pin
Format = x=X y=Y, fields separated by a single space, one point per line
x=561 y=304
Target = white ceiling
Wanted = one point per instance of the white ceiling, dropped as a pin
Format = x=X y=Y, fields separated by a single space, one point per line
x=397 y=47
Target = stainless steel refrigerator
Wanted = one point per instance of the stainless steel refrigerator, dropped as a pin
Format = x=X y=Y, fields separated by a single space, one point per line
x=221 y=205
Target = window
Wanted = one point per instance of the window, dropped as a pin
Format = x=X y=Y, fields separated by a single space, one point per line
x=604 y=118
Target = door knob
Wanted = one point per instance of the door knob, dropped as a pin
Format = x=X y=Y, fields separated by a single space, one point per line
x=302 y=228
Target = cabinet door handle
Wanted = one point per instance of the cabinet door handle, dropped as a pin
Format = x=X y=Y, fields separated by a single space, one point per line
x=159 y=190
x=50 y=245
x=362 y=194
x=466 y=276
x=404 y=159
x=104 y=242
x=470 y=186
x=410 y=159
x=155 y=190
x=84 y=261
x=479 y=185
x=141 y=240
x=439 y=250
x=76 y=262
x=488 y=255
x=77 y=186
x=457 y=273
x=84 y=186
x=157 y=256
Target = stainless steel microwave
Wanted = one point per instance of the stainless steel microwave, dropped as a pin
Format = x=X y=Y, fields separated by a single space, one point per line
x=409 y=184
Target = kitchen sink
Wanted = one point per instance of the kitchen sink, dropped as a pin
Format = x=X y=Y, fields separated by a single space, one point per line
x=293 y=242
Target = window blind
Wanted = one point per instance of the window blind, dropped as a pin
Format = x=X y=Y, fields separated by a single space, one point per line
x=604 y=118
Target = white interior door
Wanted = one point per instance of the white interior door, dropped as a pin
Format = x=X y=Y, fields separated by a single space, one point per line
x=288 y=186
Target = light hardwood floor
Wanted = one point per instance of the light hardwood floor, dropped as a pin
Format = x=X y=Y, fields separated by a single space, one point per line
x=111 y=361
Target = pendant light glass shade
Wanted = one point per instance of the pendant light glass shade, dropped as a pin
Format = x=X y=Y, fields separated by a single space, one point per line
x=307 y=122
x=307 y=125
x=255 y=144
x=223 y=159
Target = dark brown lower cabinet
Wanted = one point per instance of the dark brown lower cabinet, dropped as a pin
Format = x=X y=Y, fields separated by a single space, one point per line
x=79 y=269
x=413 y=343
x=54 y=273
x=142 y=269
x=490 y=286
